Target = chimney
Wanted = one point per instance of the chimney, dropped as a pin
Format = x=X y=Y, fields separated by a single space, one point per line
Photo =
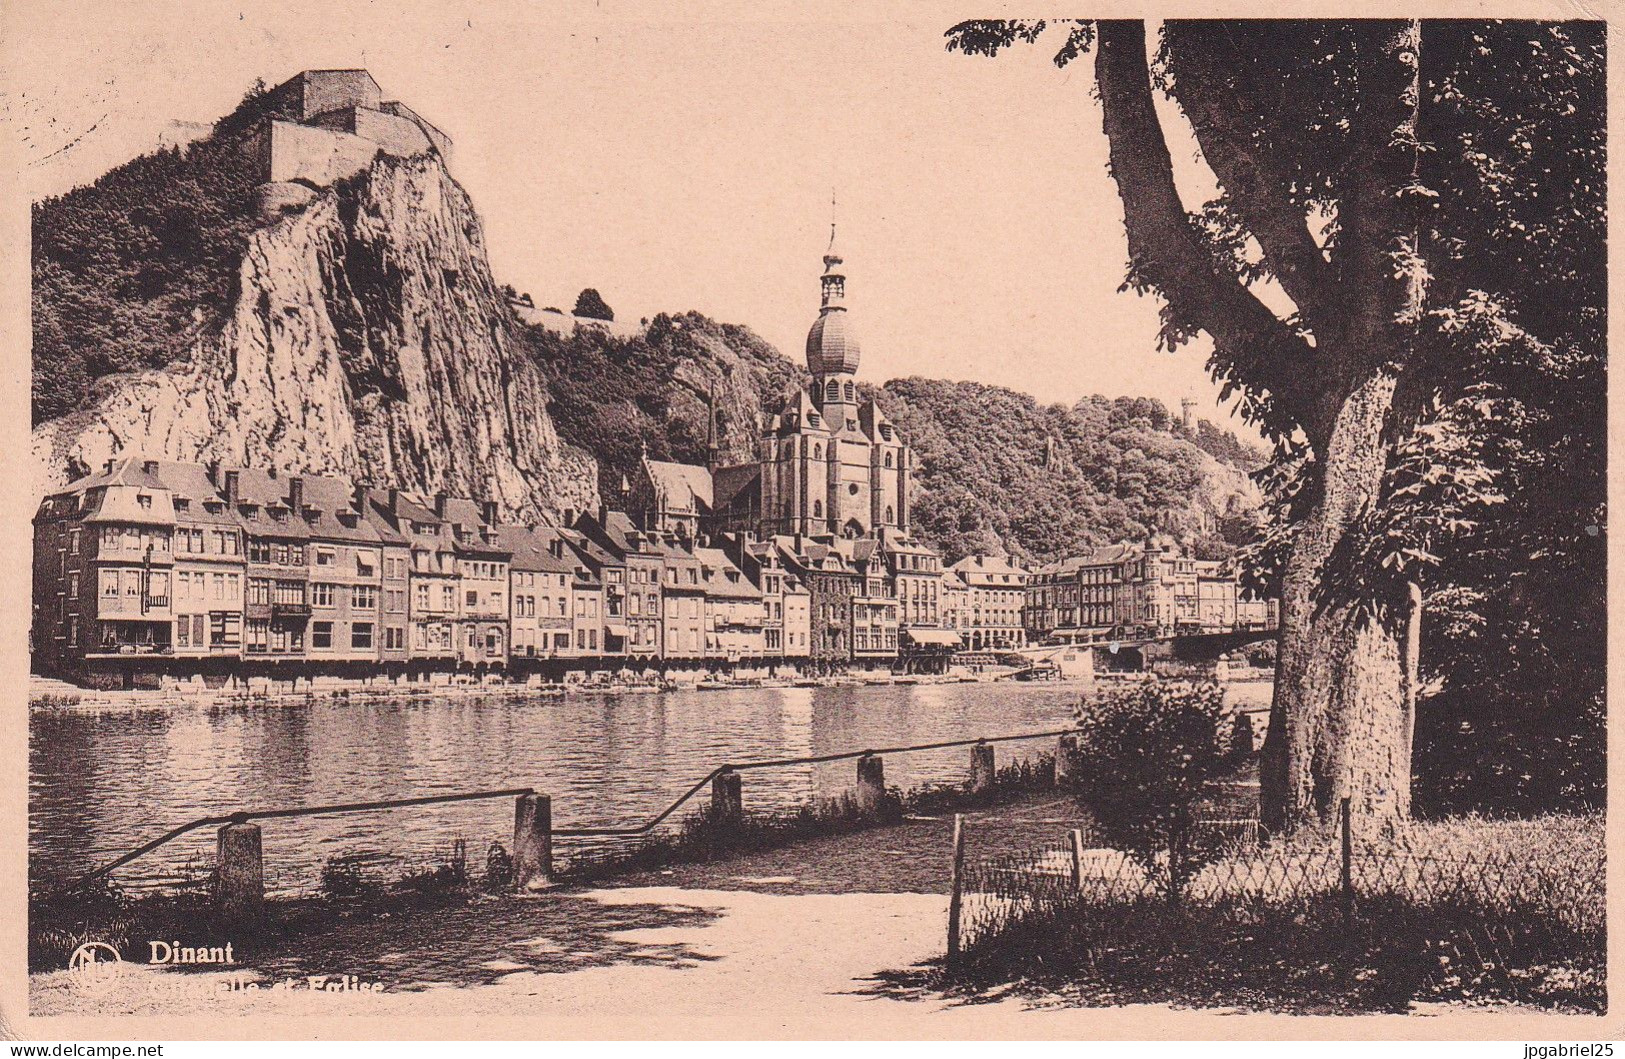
x=296 y=493
x=213 y=467
x=488 y=512
x=360 y=497
x=440 y=505
x=603 y=513
x=567 y=517
x=109 y=468
x=233 y=486
x=394 y=499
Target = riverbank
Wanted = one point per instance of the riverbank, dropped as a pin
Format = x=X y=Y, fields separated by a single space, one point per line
x=45 y=694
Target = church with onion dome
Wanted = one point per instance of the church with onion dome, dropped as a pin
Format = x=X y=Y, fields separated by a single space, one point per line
x=829 y=463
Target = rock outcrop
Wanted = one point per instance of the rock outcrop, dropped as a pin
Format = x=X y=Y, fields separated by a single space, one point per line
x=366 y=338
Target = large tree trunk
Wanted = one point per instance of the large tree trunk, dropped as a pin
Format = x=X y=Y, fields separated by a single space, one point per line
x=1340 y=722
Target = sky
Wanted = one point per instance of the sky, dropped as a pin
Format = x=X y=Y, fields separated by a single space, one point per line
x=688 y=162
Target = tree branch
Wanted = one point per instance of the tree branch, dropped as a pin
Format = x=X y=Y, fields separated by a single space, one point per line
x=1252 y=346
x=1258 y=190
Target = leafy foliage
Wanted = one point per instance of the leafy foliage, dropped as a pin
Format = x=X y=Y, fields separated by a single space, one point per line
x=592 y=305
x=129 y=271
x=999 y=472
x=1471 y=212
x=1146 y=754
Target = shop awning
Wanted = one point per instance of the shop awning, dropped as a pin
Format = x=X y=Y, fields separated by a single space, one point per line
x=616 y=630
x=933 y=637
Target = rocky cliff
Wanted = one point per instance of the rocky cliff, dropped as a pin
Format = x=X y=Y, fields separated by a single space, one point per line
x=363 y=336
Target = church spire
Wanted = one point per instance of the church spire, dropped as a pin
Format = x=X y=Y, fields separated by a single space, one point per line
x=833 y=281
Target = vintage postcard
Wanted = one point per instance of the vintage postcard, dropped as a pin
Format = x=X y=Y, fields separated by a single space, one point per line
x=544 y=521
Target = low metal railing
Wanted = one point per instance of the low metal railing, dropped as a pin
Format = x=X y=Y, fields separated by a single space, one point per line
x=533 y=817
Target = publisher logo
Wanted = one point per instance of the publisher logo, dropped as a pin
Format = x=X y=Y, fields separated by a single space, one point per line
x=95 y=966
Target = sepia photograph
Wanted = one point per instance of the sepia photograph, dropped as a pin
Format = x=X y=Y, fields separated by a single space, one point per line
x=806 y=525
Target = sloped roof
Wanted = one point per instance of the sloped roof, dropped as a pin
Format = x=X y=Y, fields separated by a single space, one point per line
x=680 y=486
x=717 y=567
x=731 y=483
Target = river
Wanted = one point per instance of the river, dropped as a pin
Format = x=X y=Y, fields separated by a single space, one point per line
x=103 y=783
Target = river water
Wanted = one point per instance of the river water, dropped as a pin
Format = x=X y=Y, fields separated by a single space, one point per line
x=103 y=783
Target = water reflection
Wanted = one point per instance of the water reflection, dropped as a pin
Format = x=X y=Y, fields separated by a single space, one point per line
x=101 y=784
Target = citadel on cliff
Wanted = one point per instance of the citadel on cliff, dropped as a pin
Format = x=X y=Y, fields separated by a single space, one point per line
x=150 y=570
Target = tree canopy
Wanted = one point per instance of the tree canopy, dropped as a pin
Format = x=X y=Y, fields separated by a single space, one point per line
x=1428 y=197
x=591 y=305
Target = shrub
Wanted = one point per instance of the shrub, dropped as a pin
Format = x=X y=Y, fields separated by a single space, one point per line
x=1146 y=754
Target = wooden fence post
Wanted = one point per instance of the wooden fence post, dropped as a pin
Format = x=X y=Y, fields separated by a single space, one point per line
x=871 y=793
x=240 y=864
x=1077 y=858
x=1066 y=760
x=1348 y=863
x=533 y=842
x=982 y=770
x=956 y=888
x=727 y=798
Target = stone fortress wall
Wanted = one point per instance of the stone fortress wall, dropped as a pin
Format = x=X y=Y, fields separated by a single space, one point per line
x=326 y=125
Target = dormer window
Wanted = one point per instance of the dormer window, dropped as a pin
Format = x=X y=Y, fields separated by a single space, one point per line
x=144 y=501
x=182 y=504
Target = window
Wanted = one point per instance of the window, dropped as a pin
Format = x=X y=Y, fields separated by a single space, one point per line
x=889 y=514
x=849 y=392
x=420 y=596
x=321 y=635
x=197 y=630
x=832 y=390
x=324 y=557
x=394 y=638
x=321 y=595
x=259 y=590
x=259 y=636
x=73 y=542
x=888 y=459
x=818 y=452
x=144 y=500
x=818 y=509
x=361 y=635
x=472 y=597
x=364 y=597
x=183 y=628
x=364 y=565
x=109 y=582
x=225 y=629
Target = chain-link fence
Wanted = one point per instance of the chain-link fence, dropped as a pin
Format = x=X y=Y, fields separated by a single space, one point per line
x=1474 y=910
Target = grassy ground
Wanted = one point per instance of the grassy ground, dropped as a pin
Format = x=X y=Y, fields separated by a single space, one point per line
x=1469 y=912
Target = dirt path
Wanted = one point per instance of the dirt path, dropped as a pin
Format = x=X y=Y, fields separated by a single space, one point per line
x=788 y=938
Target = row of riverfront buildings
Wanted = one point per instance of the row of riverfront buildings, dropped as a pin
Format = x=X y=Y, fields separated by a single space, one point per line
x=803 y=557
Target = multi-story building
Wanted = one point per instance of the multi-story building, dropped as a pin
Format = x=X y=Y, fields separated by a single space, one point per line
x=735 y=611
x=482 y=582
x=682 y=594
x=874 y=607
x=1149 y=589
x=346 y=571
x=786 y=603
x=996 y=591
x=540 y=573
x=396 y=582
x=276 y=550
x=633 y=596
x=209 y=592
x=102 y=570
x=831 y=584
x=432 y=576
